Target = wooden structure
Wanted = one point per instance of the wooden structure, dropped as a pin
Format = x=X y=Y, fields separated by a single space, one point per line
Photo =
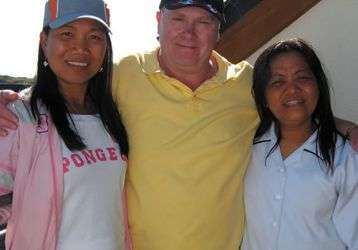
x=259 y=25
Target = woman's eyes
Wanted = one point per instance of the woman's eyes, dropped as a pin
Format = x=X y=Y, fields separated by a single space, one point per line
x=66 y=34
x=297 y=79
x=97 y=37
x=305 y=77
x=93 y=36
x=276 y=82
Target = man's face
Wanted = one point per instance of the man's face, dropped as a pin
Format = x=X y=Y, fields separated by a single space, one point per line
x=187 y=35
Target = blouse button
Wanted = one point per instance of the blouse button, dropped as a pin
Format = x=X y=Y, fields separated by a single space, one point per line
x=278 y=197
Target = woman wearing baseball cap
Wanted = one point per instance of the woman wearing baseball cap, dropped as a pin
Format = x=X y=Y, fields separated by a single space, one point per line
x=65 y=164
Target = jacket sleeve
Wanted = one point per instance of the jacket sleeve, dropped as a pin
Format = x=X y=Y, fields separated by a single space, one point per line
x=345 y=216
x=9 y=149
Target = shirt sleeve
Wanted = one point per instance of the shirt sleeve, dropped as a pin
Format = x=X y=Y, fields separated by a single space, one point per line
x=345 y=216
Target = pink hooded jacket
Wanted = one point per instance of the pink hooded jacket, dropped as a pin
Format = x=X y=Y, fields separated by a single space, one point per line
x=31 y=167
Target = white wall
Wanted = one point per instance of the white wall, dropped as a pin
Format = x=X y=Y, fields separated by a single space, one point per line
x=331 y=27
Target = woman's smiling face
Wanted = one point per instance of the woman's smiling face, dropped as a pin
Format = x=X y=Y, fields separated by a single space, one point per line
x=292 y=91
x=75 y=51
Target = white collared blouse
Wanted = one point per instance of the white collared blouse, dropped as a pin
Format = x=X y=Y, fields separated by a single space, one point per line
x=293 y=204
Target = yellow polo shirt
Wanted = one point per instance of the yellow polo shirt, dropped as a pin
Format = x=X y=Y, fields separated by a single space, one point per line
x=188 y=154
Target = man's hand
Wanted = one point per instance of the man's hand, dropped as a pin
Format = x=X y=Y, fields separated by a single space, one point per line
x=8 y=120
x=352 y=134
x=350 y=130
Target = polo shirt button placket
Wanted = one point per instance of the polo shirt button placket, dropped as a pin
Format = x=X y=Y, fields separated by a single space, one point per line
x=191 y=103
x=196 y=104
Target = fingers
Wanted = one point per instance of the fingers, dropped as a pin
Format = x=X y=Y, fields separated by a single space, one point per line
x=3 y=132
x=8 y=120
x=353 y=137
x=7 y=96
x=355 y=146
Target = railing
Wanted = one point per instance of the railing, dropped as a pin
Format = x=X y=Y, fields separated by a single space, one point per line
x=13 y=86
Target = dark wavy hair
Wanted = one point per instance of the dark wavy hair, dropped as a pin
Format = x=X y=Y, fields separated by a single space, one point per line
x=322 y=116
x=98 y=93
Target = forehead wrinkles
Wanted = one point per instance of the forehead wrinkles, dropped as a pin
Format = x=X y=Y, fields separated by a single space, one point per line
x=282 y=68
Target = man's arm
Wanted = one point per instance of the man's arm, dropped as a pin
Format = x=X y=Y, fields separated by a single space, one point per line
x=350 y=130
x=8 y=120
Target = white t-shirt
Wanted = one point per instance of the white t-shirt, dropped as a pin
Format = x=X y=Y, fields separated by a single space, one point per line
x=92 y=216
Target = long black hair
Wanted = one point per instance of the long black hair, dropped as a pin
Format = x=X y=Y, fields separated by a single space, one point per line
x=99 y=93
x=322 y=116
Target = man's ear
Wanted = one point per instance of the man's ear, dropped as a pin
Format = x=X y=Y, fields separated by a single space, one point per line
x=158 y=16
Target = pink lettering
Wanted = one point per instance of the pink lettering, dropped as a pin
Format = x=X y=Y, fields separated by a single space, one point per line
x=112 y=154
x=77 y=160
x=65 y=164
x=89 y=156
x=100 y=154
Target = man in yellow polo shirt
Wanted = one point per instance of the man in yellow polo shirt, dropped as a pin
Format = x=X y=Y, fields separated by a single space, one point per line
x=190 y=119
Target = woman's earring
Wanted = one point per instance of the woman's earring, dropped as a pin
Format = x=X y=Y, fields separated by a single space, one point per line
x=45 y=63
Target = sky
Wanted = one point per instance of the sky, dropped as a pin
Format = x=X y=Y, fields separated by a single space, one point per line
x=133 y=25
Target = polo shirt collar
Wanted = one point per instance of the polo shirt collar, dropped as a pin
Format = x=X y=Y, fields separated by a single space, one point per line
x=150 y=65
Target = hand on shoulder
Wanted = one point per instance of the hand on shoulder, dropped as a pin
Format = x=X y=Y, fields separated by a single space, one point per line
x=7 y=119
x=352 y=135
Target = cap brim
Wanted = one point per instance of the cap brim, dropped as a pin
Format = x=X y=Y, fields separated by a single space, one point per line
x=70 y=18
x=174 y=6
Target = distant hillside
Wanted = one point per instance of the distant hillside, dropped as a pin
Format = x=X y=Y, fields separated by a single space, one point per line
x=4 y=79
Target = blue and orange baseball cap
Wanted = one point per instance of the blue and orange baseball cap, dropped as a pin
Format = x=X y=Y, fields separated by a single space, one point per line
x=61 y=12
x=215 y=7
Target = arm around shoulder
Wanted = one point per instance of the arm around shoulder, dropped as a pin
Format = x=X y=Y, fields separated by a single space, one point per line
x=8 y=120
x=350 y=130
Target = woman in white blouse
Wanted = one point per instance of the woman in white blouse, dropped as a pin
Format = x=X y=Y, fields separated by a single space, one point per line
x=301 y=189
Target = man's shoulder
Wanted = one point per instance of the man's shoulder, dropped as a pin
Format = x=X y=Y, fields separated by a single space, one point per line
x=125 y=66
x=136 y=58
x=133 y=68
x=127 y=60
x=222 y=59
x=243 y=66
x=233 y=70
x=242 y=70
